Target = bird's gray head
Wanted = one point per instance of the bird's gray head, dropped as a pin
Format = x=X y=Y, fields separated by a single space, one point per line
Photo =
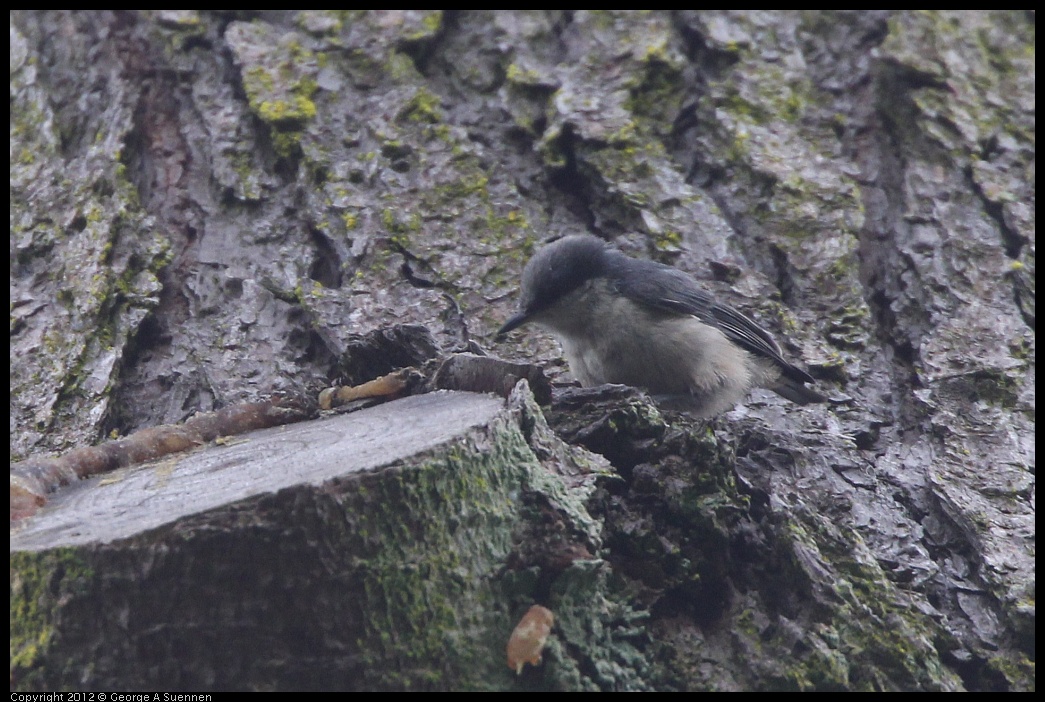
x=554 y=271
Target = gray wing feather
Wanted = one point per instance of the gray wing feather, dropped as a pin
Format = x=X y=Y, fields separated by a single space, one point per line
x=677 y=292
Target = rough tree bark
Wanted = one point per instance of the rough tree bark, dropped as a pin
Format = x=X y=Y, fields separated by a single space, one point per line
x=210 y=207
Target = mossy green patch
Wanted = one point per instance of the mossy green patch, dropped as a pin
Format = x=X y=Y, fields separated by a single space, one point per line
x=37 y=581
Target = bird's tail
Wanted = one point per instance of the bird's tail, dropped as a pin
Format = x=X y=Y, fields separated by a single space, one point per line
x=797 y=392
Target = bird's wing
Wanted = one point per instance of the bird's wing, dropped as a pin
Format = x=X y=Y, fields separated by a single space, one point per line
x=677 y=292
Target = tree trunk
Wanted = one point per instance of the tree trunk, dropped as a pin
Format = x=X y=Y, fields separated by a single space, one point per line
x=211 y=207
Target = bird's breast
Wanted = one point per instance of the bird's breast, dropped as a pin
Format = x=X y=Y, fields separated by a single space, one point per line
x=608 y=338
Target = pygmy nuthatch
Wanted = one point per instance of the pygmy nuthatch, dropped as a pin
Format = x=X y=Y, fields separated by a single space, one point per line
x=641 y=323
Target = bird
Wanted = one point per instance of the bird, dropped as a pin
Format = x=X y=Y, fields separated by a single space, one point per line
x=629 y=321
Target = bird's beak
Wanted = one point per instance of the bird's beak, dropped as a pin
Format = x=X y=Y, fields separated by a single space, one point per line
x=514 y=323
